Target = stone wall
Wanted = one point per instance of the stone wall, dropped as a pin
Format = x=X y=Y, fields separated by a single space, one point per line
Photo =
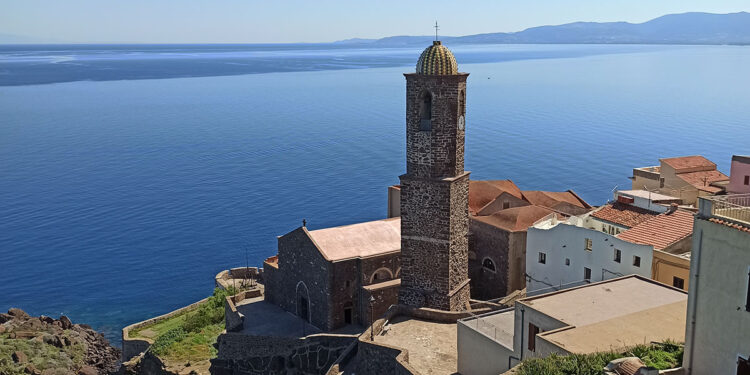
x=385 y=295
x=255 y=355
x=132 y=347
x=302 y=272
x=488 y=242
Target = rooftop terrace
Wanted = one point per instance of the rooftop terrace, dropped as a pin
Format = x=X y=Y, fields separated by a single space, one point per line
x=734 y=207
x=431 y=346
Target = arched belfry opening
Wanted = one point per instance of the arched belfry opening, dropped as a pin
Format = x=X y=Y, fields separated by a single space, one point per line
x=425 y=111
x=462 y=103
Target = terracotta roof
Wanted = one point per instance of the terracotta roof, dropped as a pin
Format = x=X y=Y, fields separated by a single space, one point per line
x=730 y=224
x=623 y=214
x=552 y=198
x=703 y=179
x=661 y=231
x=689 y=162
x=482 y=192
x=515 y=219
x=359 y=240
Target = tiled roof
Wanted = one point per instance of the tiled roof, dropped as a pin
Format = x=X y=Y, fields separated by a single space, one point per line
x=516 y=219
x=730 y=224
x=557 y=200
x=482 y=192
x=661 y=231
x=703 y=179
x=623 y=214
x=359 y=240
x=689 y=162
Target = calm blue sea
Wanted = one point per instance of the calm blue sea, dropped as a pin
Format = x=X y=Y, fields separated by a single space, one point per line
x=131 y=175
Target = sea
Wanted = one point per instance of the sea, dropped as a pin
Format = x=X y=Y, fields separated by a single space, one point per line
x=131 y=174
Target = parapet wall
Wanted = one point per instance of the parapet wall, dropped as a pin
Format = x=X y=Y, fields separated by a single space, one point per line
x=241 y=354
x=238 y=277
x=132 y=347
x=233 y=319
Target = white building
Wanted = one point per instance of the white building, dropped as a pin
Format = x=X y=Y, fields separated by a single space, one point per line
x=605 y=316
x=718 y=318
x=563 y=254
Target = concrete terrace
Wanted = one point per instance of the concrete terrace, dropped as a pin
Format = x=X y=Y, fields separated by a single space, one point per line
x=266 y=319
x=432 y=346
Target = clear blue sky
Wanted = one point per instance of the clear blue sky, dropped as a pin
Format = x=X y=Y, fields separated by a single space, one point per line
x=270 y=21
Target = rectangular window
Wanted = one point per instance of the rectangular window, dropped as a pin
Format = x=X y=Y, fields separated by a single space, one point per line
x=567 y=261
x=747 y=180
x=618 y=255
x=587 y=273
x=661 y=182
x=542 y=258
x=506 y=205
x=636 y=261
x=533 y=331
x=588 y=244
x=678 y=282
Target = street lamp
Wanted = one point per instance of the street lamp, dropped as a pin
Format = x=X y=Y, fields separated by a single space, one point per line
x=372 y=330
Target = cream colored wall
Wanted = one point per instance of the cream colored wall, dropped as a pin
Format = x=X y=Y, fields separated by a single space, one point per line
x=666 y=266
x=640 y=182
x=394 y=201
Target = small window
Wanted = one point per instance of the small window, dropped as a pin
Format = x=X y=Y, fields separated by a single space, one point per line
x=618 y=255
x=636 y=261
x=567 y=261
x=507 y=204
x=747 y=180
x=375 y=277
x=348 y=283
x=488 y=264
x=661 y=182
x=589 y=244
x=587 y=273
x=542 y=258
x=678 y=282
x=425 y=112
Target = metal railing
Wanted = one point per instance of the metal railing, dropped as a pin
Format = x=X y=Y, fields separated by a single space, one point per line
x=733 y=207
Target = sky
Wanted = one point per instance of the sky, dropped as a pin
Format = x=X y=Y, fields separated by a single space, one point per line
x=289 y=21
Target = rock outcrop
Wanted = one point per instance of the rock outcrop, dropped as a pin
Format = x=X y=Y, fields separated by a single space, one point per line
x=44 y=345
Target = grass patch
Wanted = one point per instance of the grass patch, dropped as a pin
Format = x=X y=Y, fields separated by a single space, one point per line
x=43 y=356
x=661 y=356
x=189 y=336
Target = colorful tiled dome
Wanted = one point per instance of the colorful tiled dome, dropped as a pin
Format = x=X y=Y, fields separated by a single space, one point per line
x=437 y=60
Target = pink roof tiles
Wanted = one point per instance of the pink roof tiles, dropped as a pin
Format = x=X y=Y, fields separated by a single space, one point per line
x=483 y=192
x=685 y=163
x=661 y=231
x=623 y=214
x=359 y=240
x=516 y=219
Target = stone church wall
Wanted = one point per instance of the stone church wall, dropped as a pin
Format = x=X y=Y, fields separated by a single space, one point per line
x=302 y=270
x=488 y=242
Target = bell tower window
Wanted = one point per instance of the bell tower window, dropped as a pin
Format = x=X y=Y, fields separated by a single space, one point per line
x=425 y=112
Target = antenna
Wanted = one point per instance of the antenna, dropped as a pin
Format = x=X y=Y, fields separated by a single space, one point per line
x=436 y=30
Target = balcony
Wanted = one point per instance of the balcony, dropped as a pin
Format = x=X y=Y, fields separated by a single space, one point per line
x=735 y=207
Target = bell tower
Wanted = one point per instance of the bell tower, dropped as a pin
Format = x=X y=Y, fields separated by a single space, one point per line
x=435 y=188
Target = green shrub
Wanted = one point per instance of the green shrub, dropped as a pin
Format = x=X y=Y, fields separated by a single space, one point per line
x=661 y=356
x=163 y=342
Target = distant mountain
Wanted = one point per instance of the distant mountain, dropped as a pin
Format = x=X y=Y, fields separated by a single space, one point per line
x=685 y=28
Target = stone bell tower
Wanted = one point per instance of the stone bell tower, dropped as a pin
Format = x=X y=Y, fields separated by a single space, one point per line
x=435 y=188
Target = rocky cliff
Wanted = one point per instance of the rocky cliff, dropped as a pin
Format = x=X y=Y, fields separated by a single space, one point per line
x=46 y=346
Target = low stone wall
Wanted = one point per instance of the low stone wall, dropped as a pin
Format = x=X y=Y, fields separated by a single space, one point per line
x=132 y=347
x=241 y=354
x=235 y=276
x=349 y=353
x=233 y=319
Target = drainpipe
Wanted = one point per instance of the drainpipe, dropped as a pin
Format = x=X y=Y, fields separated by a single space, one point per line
x=692 y=307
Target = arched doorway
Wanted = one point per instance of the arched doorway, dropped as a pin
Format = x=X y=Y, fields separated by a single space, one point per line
x=303 y=301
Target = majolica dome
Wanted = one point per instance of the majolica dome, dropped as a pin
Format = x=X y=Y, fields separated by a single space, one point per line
x=437 y=60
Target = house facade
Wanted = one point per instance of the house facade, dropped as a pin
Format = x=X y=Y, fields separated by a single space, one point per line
x=718 y=318
x=562 y=254
x=739 y=175
x=687 y=178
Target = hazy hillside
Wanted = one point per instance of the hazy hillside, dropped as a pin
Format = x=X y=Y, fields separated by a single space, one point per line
x=686 y=28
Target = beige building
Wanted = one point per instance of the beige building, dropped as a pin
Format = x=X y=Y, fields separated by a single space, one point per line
x=687 y=178
x=609 y=315
x=718 y=329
